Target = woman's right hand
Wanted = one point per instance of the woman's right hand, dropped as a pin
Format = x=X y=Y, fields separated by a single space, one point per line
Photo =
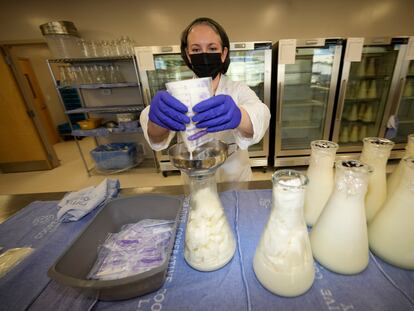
x=168 y=112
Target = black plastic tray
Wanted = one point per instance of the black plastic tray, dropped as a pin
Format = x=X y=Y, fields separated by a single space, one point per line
x=75 y=263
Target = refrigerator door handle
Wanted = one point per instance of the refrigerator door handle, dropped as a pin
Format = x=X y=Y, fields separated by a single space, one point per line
x=341 y=100
x=279 y=103
x=399 y=95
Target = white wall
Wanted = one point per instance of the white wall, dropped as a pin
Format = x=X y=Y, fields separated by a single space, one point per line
x=158 y=22
x=155 y=22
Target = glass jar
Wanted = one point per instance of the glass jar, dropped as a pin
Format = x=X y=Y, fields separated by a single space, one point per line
x=375 y=153
x=395 y=177
x=391 y=233
x=321 y=178
x=209 y=241
x=283 y=261
x=339 y=238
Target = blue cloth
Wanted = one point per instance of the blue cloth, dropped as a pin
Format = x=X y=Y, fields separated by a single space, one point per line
x=224 y=289
x=36 y=226
x=76 y=205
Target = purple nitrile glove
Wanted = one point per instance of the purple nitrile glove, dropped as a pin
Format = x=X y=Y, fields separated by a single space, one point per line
x=168 y=112
x=217 y=114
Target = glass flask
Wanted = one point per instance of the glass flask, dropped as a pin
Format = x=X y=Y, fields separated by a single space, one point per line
x=339 y=238
x=283 y=261
x=375 y=153
x=395 y=177
x=391 y=233
x=321 y=178
x=209 y=240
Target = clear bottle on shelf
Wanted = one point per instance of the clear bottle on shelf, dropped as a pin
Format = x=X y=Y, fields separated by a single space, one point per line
x=395 y=177
x=321 y=178
x=283 y=261
x=391 y=233
x=361 y=111
x=339 y=238
x=375 y=153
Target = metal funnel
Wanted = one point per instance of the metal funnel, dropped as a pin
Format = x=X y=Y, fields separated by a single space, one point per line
x=205 y=159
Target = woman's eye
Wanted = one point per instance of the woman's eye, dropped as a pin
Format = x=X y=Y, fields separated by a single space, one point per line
x=213 y=49
x=195 y=51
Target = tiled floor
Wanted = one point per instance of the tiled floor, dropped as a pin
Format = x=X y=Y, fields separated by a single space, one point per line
x=71 y=175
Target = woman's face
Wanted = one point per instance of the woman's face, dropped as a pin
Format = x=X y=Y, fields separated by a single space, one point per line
x=203 y=39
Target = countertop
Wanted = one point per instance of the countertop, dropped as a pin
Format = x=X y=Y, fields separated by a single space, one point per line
x=10 y=204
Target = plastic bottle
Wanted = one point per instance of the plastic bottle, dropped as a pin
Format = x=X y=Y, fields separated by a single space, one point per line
x=339 y=238
x=395 y=177
x=375 y=153
x=361 y=68
x=283 y=261
x=321 y=178
x=363 y=88
x=361 y=111
x=353 y=115
x=363 y=132
x=369 y=114
x=391 y=233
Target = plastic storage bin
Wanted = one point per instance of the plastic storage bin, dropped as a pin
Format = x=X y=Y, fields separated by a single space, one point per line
x=117 y=156
x=75 y=263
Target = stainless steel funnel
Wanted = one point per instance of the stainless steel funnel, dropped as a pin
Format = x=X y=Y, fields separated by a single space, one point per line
x=205 y=159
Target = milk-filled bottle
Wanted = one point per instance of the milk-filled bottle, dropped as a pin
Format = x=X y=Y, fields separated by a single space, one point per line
x=395 y=177
x=370 y=67
x=344 y=135
x=354 y=135
x=339 y=238
x=209 y=241
x=363 y=89
x=372 y=90
x=391 y=233
x=375 y=153
x=283 y=261
x=321 y=178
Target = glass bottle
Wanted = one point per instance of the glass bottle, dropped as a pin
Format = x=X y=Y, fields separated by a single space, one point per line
x=283 y=261
x=354 y=135
x=391 y=233
x=395 y=177
x=321 y=178
x=339 y=238
x=344 y=135
x=209 y=241
x=375 y=153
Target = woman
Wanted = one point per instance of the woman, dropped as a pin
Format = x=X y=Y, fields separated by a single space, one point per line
x=234 y=114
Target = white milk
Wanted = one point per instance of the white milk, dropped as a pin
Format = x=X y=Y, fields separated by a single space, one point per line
x=395 y=177
x=321 y=178
x=391 y=233
x=375 y=153
x=209 y=241
x=339 y=238
x=283 y=261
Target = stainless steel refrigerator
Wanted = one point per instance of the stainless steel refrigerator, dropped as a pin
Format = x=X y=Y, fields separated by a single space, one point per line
x=250 y=62
x=305 y=82
x=374 y=88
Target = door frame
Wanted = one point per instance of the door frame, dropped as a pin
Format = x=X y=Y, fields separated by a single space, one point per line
x=12 y=61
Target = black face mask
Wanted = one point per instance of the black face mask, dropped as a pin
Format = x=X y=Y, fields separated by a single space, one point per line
x=206 y=64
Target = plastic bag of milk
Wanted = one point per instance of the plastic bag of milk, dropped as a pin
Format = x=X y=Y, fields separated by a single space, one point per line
x=191 y=92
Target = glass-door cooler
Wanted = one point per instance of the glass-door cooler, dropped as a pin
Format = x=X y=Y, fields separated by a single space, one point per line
x=250 y=62
x=369 y=81
x=307 y=73
x=400 y=122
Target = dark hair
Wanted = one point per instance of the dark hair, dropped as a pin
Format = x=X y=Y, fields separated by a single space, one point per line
x=217 y=28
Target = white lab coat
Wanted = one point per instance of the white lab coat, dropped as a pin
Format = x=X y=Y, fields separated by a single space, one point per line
x=237 y=166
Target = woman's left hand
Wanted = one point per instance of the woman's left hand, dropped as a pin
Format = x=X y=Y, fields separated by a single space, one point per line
x=217 y=113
